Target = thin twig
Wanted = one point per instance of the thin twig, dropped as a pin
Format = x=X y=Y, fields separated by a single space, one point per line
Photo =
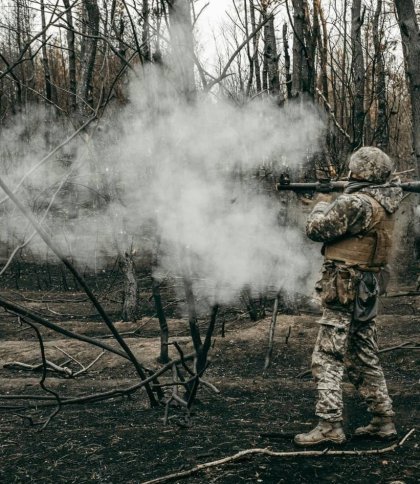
x=89 y=366
x=332 y=115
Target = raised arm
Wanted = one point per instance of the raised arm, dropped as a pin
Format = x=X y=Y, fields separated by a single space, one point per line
x=348 y=214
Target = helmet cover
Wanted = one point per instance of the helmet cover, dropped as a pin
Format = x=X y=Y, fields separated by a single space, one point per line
x=371 y=164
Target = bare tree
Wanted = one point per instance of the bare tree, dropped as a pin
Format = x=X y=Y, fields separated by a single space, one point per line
x=381 y=131
x=45 y=61
x=147 y=53
x=182 y=43
x=71 y=56
x=299 y=48
x=255 y=44
x=88 y=56
x=271 y=79
x=287 y=62
x=410 y=36
x=358 y=72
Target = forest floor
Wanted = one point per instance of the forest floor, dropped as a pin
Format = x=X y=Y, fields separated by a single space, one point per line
x=124 y=441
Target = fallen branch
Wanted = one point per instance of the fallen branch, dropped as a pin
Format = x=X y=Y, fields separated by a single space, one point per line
x=96 y=397
x=17 y=365
x=304 y=453
x=21 y=311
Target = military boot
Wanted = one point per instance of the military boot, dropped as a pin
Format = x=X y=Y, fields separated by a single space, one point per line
x=324 y=432
x=381 y=427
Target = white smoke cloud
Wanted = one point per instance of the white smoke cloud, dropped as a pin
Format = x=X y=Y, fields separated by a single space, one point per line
x=180 y=174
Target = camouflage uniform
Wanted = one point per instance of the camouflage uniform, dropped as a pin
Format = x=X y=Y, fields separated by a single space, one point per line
x=347 y=334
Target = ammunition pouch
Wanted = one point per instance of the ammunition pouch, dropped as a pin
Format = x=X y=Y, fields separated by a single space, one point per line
x=337 y=285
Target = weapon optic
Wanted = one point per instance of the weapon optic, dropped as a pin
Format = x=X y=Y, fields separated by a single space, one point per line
x=328 y=186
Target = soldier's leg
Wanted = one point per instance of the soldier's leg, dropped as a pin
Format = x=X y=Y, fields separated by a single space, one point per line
x=328 y=363
x=364 y=368
x=328 y=369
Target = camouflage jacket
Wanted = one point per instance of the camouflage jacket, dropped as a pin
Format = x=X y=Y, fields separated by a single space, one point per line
x=349 y=214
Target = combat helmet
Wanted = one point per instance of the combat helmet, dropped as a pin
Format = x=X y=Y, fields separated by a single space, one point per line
x=371 y=164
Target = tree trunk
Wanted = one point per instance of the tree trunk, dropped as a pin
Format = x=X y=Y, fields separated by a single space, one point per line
x=248 y=52
x=130 y=304
x=19 y=30
x=271 y=57
x=71 y=57
x=381 y=130
x=87 y=61
x=410 y=36
x=303 y=53
x=182 y=46
x=287 y=62
x=358 y=71
x=298 y=46
x=145 y=37
x=45 y=63
x=309 y=68
x=163 y=324
x=343 y=110
x=255 y=44
x=323 y=47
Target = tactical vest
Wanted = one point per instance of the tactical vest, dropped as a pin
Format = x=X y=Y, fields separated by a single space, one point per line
x=370 y=249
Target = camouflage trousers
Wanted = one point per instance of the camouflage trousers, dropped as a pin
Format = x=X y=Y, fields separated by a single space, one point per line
x=345 y=344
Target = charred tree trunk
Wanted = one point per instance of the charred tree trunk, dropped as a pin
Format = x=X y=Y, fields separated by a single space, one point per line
x=71 y=57
x=248 y=52
x=182 y=46
x=145 y=37
x=130 y=304
x=87 y=61
x=303 y=54
x=381 y=130
x=410 y=36
x=19 y=30
x=163 y=324
x=309 y=68
x=343 y=110
x=358 y=71
x=298 y=46
x=323 y=47
x=45 y=62
x=287 y=62
x=255 y=44
x=271 y=58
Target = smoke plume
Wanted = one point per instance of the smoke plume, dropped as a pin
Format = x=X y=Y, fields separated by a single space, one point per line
x=172 y=177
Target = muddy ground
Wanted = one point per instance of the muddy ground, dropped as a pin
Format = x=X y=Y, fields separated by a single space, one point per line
x=124 y=441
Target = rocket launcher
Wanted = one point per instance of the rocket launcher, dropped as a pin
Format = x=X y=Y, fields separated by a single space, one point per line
x=328 y=186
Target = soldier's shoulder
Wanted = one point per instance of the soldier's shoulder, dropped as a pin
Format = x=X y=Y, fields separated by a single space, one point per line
x=351 y=201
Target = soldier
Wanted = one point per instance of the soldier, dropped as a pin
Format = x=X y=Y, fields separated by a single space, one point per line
x=356 y=230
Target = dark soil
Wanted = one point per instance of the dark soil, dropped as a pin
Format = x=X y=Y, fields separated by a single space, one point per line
x=124 y=441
